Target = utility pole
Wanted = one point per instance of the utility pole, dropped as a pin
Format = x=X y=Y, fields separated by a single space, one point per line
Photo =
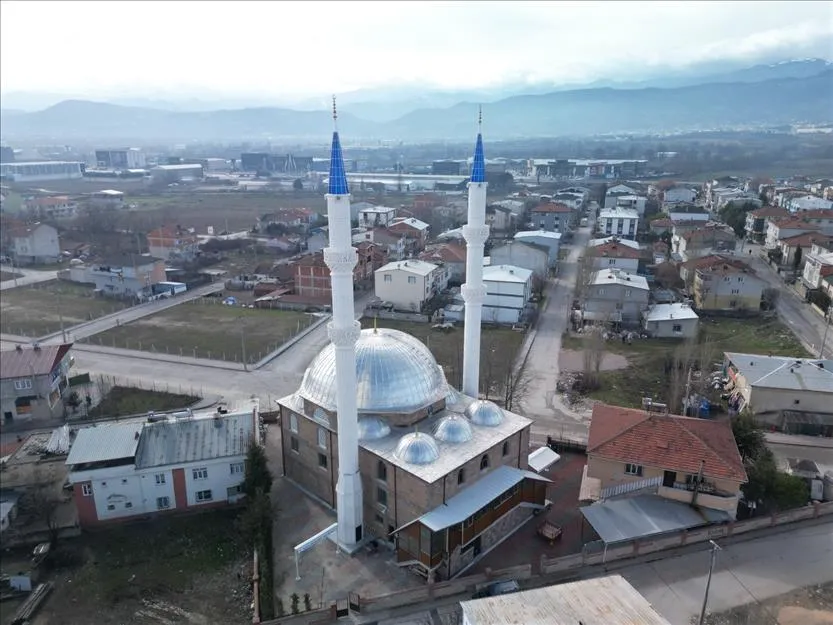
x=61 y=315
x=826 y=328
x=715 y=549
x=243 y=343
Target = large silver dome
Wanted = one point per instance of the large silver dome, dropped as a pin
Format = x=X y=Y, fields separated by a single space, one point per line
x=453 y=428
x=486 y=413
x=417 y=448
x=395 y=373
x=372 y=428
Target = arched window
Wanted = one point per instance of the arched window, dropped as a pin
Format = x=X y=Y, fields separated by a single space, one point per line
x=505 y=448
x=484 y=462
x=461 y=476
x=382 y=471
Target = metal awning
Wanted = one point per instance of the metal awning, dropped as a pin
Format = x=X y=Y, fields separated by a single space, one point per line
x=474 y=497
x=646 y=515
x=542 y=459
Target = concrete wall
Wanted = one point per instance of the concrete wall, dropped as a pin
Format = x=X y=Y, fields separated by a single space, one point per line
x=520 y=256
x=770 y=400
x=665 y=328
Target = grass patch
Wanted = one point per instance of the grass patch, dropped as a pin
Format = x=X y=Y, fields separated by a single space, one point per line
x=648 y=374
x=122 y=401
x=205 y=328
x=36 y=310
x=499 y=346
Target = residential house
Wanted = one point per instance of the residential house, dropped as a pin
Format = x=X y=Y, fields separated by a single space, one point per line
x=552 y=217
x=692 y=461
x=678 y=194
x=756 y=220
x=516 y=207
x=632 y=202
x=393 y=244
x=107 y=198
x=173 y=244
x=608 y=600
x=705 y=240
x=317 y=240
x=452 y=255
x=572 y=197
x=817 y=266
x=299 y=219
x=413 y=230
x=621 y=222
x=370 y=257
x=508 y=289
x=615 y=296
x=125 y=471
x=35 y=244
x=780 y=389
x=613 y=239
x=525 y=254
x=725 y=284
x=614 y=255
x=50 y=207
x=125 y=275
x=499 y=218
x=613 y=194
x=550 y=240
x=410 y=283
x=804 y=241
x=427 y=201
x=33 y=381
x=675 y=320
x=376 y=216
x=661 y=225
x=312 y=277
x=807 y=203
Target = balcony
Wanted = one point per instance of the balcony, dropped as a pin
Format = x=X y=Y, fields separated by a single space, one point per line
x=708 y=496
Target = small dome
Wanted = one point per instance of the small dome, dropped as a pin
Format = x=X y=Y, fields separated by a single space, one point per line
x=453 y=428
x=455 y=400
x=417 y=448
x=485 y=413
x=372 y=428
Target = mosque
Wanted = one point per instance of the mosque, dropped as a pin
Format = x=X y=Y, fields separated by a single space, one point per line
x=376 y=432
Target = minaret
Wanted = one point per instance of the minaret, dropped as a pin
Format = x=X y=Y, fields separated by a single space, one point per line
x=344 y=331
x=474 y=292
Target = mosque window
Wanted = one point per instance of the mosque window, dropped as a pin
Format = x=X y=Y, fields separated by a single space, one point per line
x=505 y=448
x=484 y=462
x=461 y=476
x=382 y=471
x=293 y=423
x=322 y=438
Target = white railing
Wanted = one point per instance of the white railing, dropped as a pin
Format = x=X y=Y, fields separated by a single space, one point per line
x=629 y=487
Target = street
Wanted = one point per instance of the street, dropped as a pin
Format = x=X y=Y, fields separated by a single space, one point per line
x=28 y=277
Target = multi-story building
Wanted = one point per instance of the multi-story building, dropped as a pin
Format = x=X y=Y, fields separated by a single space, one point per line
x=413 y=230
x=724 y=284
x=703 y=240
x=499 y=218
x=409 y=284
x=173 y=243
x=552 y=217
x=35 y=244
x=452 y=255
x=125 y=275
x=181 y=463
x=393 y=244
x=756 y=220
x=550 y=240
x=614 y=255
x=508 y=290
x=33 y=381
x=526 y=254
x=691 y=461
x=42 y=171
x=817 y=266
x=50 y=206
x=632 y=202
x=376 y=216
x=790 y=246
x=778 y=229
x=807 y=203
x=620 y=222
x=170 y=174
x=678 y=194
x=615 y=296
x=125 y=158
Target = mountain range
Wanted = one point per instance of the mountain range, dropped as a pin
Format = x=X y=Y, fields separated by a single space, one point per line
x=759 y=96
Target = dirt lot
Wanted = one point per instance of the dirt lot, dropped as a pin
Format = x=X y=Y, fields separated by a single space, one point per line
x=173 y=570
x=499 y=347
x=207 y=329
x=807 y=606
x=36 y=310
x=649 y=372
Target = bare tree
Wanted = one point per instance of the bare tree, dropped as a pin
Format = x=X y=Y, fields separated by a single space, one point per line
x=680 y=363
x=517 y=383
x=43 y=500
x=593 y=355
x=584 y=274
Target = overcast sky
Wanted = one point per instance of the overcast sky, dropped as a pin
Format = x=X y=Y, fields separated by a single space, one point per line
x=308 y=48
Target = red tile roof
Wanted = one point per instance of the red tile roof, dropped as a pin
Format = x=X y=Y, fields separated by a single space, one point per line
x=806 y=239
x=29 y=361
x=770 y=211
x=662 y=222
x=612 y=249
x=449 y=253
x=552 y=207
x=668 y=442
x=790 y=223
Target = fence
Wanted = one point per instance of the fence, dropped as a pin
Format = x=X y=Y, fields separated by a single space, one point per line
x=596 y=553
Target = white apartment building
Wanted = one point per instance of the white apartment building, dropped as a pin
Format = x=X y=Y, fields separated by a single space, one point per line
x=408 y=284
x=508 y=289
x=182 y=462
x=619 y=222
x=376 y=216
x=807 y=203
x=817 y=266
x=41 y=171
x=633 y=202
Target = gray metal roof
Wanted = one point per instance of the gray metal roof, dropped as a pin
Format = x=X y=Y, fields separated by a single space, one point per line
x=474 y=497
x=194 y=439
x=609 y=600
x=796 y=374
x=101 y=443
x=645 y=515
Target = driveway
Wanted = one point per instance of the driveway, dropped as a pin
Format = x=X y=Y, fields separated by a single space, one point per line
x=28 y=276
x=542 y=403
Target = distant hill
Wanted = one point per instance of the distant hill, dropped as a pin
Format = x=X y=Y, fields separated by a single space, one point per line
x=574 y=112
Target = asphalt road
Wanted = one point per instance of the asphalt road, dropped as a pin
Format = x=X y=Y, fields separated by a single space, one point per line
x=28 y=276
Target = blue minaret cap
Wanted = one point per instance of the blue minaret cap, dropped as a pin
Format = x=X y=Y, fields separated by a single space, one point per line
x=478 y=167
x=338 y=177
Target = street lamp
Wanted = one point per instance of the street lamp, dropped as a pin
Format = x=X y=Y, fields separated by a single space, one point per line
x=826 y=328
x=715 y=549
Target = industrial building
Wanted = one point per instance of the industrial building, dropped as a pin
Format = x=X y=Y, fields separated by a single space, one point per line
x=41 y=171
x=124 y=158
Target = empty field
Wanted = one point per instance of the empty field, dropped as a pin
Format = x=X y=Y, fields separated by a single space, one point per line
x=499 y=346
x=207 y=329
x=37 y=310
